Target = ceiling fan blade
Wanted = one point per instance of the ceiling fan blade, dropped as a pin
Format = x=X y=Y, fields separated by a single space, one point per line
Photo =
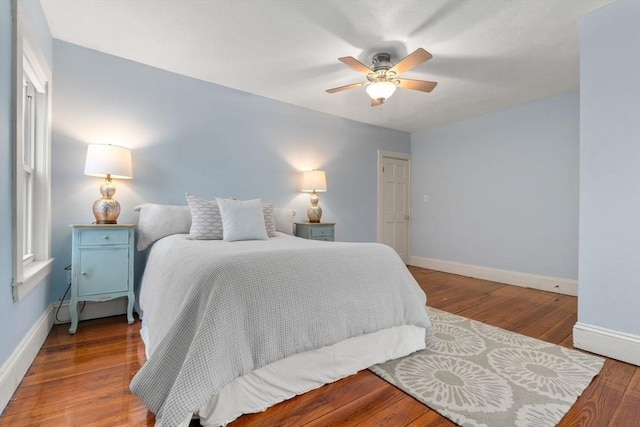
x=415 y=58
x=355 y=64
x=421 y=85
x=375 y=103
x=346 y=87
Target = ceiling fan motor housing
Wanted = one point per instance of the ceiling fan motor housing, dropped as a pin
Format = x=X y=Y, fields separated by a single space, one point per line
x=382 y=62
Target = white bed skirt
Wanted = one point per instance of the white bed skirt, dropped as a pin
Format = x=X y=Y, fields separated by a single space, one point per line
x=302 y=372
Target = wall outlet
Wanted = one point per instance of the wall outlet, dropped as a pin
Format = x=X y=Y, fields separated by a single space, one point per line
x=426 y=198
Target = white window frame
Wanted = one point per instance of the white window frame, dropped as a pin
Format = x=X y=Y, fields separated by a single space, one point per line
x=31 y=214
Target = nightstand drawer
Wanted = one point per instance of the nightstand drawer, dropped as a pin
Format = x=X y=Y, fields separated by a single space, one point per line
x=322 y=231
x=316 y=231
x=104 y=236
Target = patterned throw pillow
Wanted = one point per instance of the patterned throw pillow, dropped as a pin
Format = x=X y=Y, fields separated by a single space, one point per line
x=206 y=221
x=269 y=219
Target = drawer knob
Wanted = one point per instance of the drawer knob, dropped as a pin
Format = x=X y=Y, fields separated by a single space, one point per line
x=84 y=273
x=105 y=237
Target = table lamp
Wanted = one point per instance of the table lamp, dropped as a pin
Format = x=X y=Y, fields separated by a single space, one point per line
x=314 y=181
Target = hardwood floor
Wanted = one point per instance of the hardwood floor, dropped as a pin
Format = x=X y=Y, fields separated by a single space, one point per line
x=83 y=379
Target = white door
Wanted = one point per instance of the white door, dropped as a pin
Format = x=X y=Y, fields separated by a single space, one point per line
x=394 y=210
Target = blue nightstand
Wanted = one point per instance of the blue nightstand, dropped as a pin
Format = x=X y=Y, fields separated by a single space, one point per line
x=101 y=266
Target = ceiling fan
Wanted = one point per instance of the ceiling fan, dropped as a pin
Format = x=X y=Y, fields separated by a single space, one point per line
x=382 y=76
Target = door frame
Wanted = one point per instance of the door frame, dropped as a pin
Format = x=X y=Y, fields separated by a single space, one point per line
x=401 y=156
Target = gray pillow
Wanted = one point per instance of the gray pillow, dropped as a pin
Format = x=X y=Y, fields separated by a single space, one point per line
x=157 y=221
x=284 y=220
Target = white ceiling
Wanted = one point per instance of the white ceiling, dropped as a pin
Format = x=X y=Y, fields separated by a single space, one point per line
x=487 y=54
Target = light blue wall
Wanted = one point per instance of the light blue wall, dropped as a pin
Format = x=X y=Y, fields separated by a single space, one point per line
x=187 y=135
x=15 y=318
x=502 y=189
x=6 y=344
x=609 y=293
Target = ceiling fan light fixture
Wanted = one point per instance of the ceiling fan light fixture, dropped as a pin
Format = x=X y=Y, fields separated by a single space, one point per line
x=381 y=91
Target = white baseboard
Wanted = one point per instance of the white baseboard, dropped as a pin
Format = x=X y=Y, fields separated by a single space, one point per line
x=545 y=283
x=92 y=310
x=15 y=367
x=607 y=342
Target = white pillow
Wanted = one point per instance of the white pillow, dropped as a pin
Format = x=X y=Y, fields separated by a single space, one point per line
x=242 y=220
x=157 y=221
x=206 y=223
x=284 y=220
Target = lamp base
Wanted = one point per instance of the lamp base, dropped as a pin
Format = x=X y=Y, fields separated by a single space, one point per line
x=106 y=211
x=314 y=213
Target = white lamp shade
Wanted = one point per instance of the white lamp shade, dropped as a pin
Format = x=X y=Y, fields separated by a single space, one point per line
x=103 y=160
x=381 y=90
x=314 y=181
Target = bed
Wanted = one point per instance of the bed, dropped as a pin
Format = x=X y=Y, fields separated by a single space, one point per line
x=235 y=327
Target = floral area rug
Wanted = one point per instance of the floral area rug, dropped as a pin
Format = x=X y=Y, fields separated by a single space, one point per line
x=479 y=375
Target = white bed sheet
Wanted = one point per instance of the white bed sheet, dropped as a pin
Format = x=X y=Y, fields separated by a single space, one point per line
x=291 y=376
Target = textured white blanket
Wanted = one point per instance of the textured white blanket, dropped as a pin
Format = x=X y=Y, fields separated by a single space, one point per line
x=218 y=310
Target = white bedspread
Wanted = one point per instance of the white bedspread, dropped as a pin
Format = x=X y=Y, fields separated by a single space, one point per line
x=218 y=310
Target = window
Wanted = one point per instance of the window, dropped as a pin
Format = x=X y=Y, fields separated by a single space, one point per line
x=28 y=166
x=32 y=177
